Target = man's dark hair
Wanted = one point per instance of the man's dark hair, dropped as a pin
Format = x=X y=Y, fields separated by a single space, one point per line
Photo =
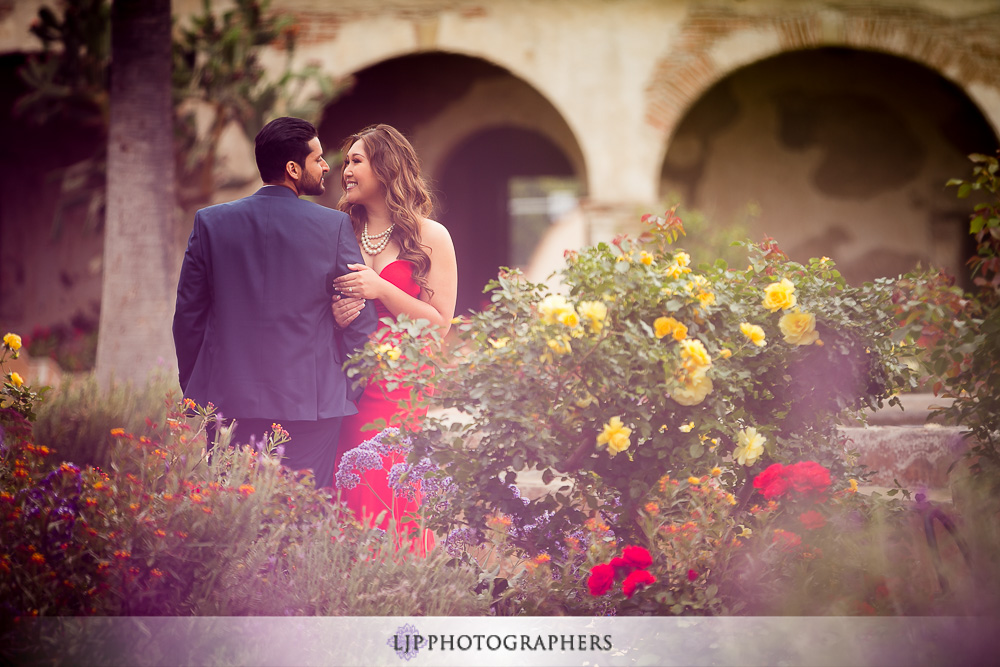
x=279 y=141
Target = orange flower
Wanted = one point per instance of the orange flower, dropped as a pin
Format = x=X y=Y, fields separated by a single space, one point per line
x=38 y=558
x=246 y=489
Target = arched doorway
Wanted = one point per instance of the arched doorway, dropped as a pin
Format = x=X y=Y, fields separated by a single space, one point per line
x=497 y=198
x=491 y=146
x=843 y=152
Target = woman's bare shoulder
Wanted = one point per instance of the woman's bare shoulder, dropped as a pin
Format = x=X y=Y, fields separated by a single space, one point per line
x=433 y=233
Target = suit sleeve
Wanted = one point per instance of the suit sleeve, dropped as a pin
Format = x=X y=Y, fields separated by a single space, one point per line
x=194 y=299
x=356 y=334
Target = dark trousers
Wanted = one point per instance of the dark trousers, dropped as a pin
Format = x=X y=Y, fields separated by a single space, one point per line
x=311 y=444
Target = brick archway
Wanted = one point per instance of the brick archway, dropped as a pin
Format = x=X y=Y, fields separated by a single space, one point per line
x=959 y=49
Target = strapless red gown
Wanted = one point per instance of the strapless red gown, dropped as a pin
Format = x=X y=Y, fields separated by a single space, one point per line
x=373 y=495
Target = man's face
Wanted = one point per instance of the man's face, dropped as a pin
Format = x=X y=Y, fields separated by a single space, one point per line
x=314 y=171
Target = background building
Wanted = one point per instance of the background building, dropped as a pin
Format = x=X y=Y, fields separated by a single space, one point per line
x=550 y=124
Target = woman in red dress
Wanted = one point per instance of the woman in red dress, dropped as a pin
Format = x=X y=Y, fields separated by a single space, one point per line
x=410 y=269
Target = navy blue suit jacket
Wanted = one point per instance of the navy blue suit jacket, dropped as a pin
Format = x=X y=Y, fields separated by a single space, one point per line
x=252 y=328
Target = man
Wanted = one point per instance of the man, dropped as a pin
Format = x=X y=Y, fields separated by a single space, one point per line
x=253 y=328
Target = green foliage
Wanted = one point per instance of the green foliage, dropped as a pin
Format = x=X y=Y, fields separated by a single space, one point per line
x=956 y=336
x=641 y=369
x=68 y=80
x=16 y=398
x=77 y=420
x=218 y=76
x=218 y=69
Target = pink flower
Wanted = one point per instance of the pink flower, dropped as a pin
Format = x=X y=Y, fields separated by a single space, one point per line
x=692 y=575
x=637 y=557
x=602 y=577
x=639 y=578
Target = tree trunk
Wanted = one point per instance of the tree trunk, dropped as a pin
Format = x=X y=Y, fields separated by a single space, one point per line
x=141 y=261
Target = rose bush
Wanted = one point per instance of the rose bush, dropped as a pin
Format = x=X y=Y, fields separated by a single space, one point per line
x=644 y=366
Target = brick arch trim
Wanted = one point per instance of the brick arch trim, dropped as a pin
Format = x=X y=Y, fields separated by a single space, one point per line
x=965 y=50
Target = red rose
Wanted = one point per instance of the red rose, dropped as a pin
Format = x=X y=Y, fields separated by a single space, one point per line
x=812 y=520
x=637 y=557
x=602 y=577
x=634 y=581
x=621 y=565
x=772 y=482
x=785 y=540
x=692 y=575
x=808 y=477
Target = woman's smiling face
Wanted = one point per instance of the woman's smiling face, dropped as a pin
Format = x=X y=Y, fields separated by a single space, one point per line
x=358 y=180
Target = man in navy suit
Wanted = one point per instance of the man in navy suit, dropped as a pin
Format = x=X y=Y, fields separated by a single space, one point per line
x=253 y=328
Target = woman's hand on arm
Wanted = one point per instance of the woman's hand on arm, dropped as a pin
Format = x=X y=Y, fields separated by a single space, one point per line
x=442 y=279
x=361 y=283
x=346 y=309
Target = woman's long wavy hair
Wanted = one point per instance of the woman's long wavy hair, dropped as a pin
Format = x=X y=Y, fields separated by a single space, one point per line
x=407 y=196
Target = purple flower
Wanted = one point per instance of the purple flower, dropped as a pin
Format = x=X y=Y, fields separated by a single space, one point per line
x=401 y=482
x=458 y=539
x=356 y=462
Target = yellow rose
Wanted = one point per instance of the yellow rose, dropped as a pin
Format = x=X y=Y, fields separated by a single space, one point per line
x=799 y=328
x=706 y=299
x=680 y=332
x=595 y=312
x=694 y=354
x=694 y=391
x=725 y=353
x=552 y=308
x=645 y=258
x=569 y=318
x=779 y=295
x=560 y=346
x=615 y=435
x=499 y=342
x=682 y=258
x=15 y=379
x=13 y=341
x=751 y=446
x=387 y=349
x=664 y=326
x=754 y=333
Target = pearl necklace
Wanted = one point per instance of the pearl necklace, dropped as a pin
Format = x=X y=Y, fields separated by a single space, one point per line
x=373 y=244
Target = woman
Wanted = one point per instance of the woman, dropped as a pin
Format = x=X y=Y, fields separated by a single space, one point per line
x=409 y=268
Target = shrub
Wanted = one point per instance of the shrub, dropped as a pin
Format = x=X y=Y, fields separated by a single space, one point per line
x=644 y=367
x=165 y=530
x=77 y=419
